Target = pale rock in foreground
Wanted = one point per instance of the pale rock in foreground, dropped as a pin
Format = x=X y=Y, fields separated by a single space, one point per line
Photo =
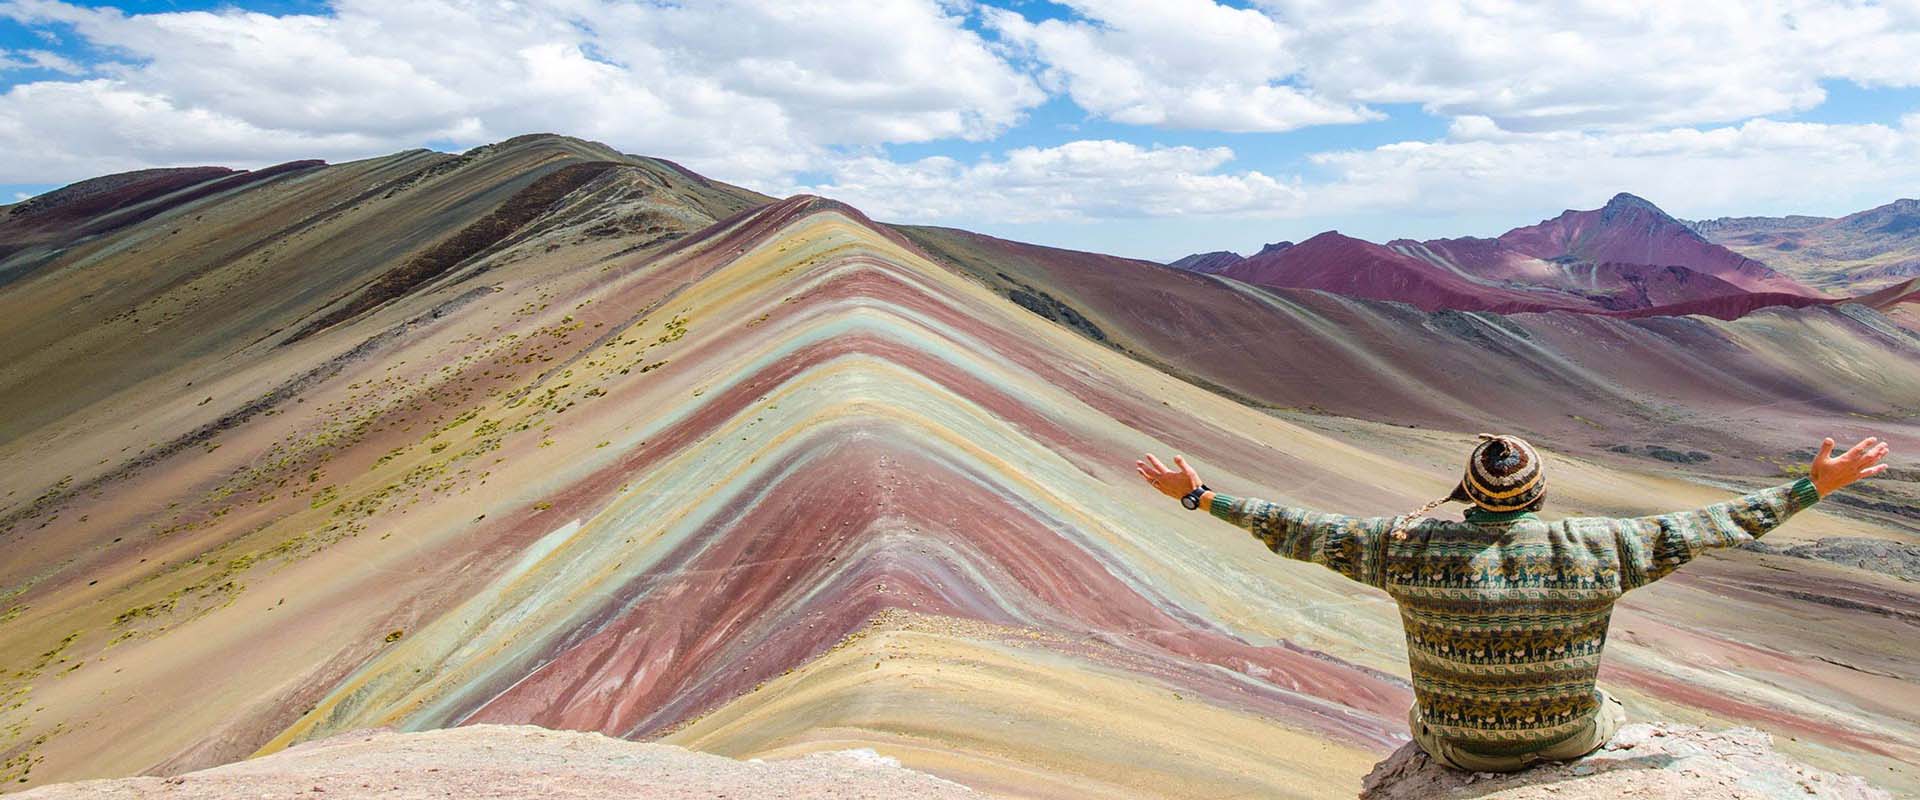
x=1657 y=760
x=511 y=761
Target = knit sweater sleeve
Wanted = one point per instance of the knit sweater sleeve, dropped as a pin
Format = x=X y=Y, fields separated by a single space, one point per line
x=1653 y=547
x=1351 y=546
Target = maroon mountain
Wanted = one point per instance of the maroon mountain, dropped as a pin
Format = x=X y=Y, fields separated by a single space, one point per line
x=1356 y=268
x=1343 y=265
x=1629 y=230
x=1625 y=258
x=1611 y=286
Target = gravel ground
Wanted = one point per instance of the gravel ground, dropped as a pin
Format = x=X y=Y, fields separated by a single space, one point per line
x=1656 y=761
x=499 y=761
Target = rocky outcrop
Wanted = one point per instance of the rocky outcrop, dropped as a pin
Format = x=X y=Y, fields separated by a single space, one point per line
x=520 y=761
x=1644 y=761
x=1878 y=555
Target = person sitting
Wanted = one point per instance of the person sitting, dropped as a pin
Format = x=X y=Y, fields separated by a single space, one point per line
x=1505 y=614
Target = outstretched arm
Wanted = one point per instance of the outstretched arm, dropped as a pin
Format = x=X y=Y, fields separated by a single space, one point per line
x=1651 y=548
x=1350 y=546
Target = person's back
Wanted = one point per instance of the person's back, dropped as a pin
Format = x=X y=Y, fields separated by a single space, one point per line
x=1506 y=614
x=1504 y=623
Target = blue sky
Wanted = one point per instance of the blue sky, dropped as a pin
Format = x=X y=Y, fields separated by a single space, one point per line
x=1143 y=128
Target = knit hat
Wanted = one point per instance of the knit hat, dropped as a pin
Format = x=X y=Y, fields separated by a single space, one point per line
x=1503 y=474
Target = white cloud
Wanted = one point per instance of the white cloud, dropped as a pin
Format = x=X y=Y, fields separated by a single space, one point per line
x=1550 y=105
x=1687 y=171
x=1174 y=63
x=1477 y=169
x=54 y=131
x=1076 y=181
x=1561 y=65
x=39 y=59
x=1582 y=63
x=739 y=90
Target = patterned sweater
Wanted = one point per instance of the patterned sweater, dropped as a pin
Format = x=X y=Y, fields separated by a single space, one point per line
x=1505 y=613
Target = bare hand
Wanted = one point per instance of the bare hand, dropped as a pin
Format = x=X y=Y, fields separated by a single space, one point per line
x=1176 y=482
x=1860 y=461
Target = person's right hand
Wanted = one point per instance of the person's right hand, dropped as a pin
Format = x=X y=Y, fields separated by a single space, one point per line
x=1830 y=472
x=1174 y=483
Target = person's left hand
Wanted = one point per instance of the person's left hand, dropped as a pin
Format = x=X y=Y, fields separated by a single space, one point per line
x=1176 y=482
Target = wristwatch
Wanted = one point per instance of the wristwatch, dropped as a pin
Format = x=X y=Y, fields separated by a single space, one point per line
x=1192 y=499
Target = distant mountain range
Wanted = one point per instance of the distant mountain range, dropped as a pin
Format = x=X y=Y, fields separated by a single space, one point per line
x=1864 y=250
x=1626 y=258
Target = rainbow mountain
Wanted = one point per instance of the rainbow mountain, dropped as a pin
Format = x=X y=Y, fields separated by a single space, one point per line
x=546 y=433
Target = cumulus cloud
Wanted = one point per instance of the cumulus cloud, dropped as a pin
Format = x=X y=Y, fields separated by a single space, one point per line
x=1577 y=63
x=1688 y=170
x=1530 y=66
x=39 y=59
x=56 y=131
x=741 y=90
x=1477 y=168
x=1548 y=104
x=1076 y=181
x=1176 y=64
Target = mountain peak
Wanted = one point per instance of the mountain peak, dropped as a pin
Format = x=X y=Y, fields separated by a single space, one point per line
x=1328 y=237
x=1625 y=203
x=584 y=148
x=1631 y=230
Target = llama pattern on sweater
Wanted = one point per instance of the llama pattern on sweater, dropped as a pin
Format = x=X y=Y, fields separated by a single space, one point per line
x=1506 y=614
